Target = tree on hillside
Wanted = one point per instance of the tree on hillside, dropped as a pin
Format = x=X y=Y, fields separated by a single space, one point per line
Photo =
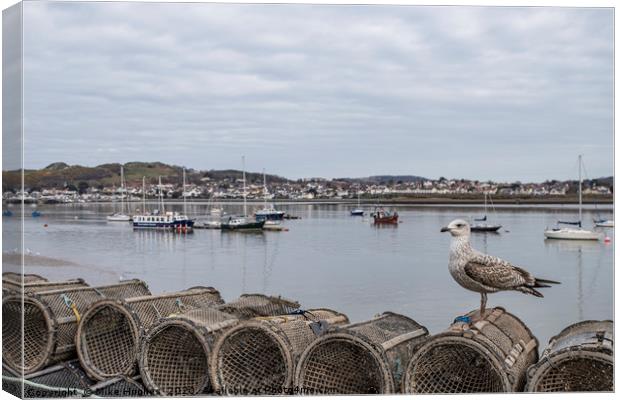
x=82 y=187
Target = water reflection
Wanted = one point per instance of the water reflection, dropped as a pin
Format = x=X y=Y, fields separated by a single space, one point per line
x=578 y=248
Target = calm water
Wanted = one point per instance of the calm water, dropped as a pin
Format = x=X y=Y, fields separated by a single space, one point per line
x=330 y=259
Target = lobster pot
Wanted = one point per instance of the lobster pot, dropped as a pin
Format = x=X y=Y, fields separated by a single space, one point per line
x=10 y=383
x=41 y=286
x=109 y=333
x=58 y=381
x=175 y=352
x=361 y=358
x=50 y=322
x=25 y=278
x=258 y=305
x=62 y=376
x=579 y=359
x=490 y=355
x=121 y=386
x=259 y=356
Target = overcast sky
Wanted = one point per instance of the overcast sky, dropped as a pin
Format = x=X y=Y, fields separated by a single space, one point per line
x=482 y=93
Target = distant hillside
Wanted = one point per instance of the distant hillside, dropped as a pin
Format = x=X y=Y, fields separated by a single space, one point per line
x=59 y=175
x=385 y=179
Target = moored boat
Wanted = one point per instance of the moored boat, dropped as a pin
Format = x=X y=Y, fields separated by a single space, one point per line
x=242 y=223
x=573 y=233
x=161 y=220
x=169 y=220
x=604 y=223
x=120 y=216
x=484 y=227
x=381 y=216
x=268 y=213
x=357 y=211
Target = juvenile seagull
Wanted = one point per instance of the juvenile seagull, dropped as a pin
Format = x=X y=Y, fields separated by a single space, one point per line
x=483 y=273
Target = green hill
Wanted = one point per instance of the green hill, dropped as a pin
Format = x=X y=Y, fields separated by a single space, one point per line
x=58 y=175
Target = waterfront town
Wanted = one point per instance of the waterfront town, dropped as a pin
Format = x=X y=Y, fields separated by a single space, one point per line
x=230 y=187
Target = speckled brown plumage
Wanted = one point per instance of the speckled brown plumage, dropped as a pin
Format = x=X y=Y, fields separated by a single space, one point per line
x=483 y=273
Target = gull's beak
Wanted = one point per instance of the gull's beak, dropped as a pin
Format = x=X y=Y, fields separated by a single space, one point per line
x=445 y=229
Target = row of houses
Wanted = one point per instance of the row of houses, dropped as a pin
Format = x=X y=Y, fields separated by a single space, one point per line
x=305 y=190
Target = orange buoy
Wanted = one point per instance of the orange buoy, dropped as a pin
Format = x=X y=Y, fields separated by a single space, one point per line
x=607 y=239
x=45 y=225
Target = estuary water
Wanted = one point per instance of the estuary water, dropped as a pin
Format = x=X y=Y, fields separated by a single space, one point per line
x=331 y=259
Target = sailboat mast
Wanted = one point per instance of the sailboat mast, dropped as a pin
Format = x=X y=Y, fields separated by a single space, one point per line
x=579 y=189
x=184 y=202
x=143 y=195
x=122 y=190
x=264 y=190
x=245 y=206
x=161 y=196
x=485 y=204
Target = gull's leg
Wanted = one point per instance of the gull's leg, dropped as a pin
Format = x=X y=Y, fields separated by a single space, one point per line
x=483 y=304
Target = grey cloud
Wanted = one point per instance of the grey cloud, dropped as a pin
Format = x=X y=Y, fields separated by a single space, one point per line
x=488 y=93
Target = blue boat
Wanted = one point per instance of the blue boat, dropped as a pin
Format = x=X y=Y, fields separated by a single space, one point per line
x=358 y=211
x=167 y=221
x=269 y=214
x=7 y=213
x=36 y=214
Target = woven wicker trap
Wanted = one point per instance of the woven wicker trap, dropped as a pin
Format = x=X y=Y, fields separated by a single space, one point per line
x=175 y=352
x=362 y=358
x=50 y=322
x=259 y=356
x=490 y=355
x=62 y=378
x=26 y=278
x=258 y=305
x=121 y=386
x=109 y=334
x=41 y=286
x=579 y=359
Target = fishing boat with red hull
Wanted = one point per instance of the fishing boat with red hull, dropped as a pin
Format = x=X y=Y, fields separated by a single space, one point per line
x=382 y=216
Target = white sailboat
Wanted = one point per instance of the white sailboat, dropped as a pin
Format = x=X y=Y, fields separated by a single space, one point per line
x=573 y=233
x=604 y=223
x=120 y=216
x=234 y=223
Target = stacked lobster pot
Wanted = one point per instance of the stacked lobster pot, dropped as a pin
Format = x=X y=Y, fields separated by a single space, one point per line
x=174 y=359
x=25 y=278
x=110 y=332
x=14 y=282
x=489 y=355
x=361 y=358
x=10 y=285
x=259 y=356
x=578 y=359
x=50 y=322
x=68 y=379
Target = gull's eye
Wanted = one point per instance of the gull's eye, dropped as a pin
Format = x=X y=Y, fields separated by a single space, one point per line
x=459 y=225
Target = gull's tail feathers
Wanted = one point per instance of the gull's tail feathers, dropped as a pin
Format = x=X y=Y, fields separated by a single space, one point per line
x=540 y=283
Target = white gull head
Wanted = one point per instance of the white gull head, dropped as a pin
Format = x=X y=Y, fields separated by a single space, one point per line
x=458 y=228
